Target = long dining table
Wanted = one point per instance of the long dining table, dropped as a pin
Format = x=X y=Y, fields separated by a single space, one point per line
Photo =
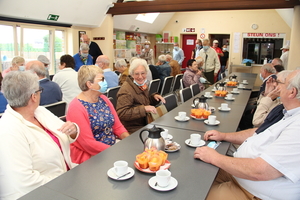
x=89 y=180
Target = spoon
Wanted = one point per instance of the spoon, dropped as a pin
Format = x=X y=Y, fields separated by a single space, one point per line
x=123 y=175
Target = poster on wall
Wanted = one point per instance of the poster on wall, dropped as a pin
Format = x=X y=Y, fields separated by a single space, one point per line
x=120 y=35
x=120 y=54
x=130 y=44
x=120 y=44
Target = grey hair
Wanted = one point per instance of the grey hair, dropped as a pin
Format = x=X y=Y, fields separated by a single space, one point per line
x=39 y=69
x=168 y=56
x=295 y=83
x=284 y=74
x=269 y=68
x=162 y=58
x=18 y=86
x=84 y=46
x=279 y=61
x=104 y=60
x=206 y=40
x=136 y=63
x=120 y=63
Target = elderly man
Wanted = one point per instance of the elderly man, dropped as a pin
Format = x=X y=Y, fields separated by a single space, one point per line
x=83 y=57
x=217 y=48
x=111 y=77
x=175 y=67
x=211 y=65
x=51 y=90
x=94 y=50
x=178 y=54
x=266 y=165
x=266 y=71
x=46 y=63
x=121 y=66
x=163 y=68
x=285 y=55
x=276 y=61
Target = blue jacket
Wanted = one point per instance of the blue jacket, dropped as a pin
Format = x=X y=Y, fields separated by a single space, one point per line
x=3 y=103
x=111 y=78
x=164 y=71
x=51 y=93
x=79 y=63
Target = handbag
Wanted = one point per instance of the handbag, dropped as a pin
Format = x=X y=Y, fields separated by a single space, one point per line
x=160 y=111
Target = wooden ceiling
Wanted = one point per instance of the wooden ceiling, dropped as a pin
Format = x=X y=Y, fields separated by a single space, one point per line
x=137 y=7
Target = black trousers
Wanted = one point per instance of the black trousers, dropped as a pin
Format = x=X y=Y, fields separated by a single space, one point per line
x=210 y=76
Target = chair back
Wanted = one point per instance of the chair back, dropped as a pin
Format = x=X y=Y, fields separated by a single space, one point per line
x=166 y=87
x=58 y=108
x=185 y=94
x=181 y=84
x=112 y=92
x=154 y=86
x=176 y=82
x=195 y=89
x=171 y=102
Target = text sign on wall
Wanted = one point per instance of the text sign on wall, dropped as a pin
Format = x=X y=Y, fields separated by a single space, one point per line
x=263 y=35
x=189 y=29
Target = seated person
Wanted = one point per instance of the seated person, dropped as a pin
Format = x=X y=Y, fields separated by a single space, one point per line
x=278 y=68
x=51 y=90
x=83 y=57
x=121 y=66
x=175 y=67
x=269 y=98
x=133 y=100
x=34 y=143
x=17 y=64
x=111 y=77
x=95 y=116
x=192 y=75
x=46 y=63
x=3 y=101
x=266 y=165
x=163 y=68
x=66 y=78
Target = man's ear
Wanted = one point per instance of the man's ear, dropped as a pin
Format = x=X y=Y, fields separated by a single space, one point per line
x=293 y=93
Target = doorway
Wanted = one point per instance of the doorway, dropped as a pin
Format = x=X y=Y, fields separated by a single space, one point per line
x=222 y=38
x=188 y=44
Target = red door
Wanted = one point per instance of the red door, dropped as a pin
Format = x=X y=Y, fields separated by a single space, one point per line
x=188 y=44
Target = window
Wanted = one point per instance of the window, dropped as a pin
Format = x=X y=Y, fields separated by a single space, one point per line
x=59 y=48
x=7 y=50
x=147 y=17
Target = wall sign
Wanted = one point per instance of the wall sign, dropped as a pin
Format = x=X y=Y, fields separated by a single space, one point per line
x=202 y=36
x=263 y=35
x=189 y=30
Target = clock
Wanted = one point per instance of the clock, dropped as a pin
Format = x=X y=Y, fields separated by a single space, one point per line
x=254 y=26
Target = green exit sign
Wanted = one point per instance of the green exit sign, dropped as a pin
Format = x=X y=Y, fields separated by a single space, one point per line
x=53 y=17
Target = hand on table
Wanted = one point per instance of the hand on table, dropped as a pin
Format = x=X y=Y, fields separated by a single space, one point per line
x=157 y=97
x=69 y=128
x=150 y=109
x=213 y=135
x=205 y=154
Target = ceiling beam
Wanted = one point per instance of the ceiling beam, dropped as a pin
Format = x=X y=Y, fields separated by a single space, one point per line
x=197 y=5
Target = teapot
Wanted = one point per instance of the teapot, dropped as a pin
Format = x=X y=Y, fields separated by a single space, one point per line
x=220 y=86
x=200 y=103
x=233 y=78
x=154 y=139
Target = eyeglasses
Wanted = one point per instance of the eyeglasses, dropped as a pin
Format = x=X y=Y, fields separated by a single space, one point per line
x=39 y=90
x=279 y=82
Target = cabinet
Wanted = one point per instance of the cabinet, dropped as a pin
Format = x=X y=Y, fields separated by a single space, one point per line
x=163 y=48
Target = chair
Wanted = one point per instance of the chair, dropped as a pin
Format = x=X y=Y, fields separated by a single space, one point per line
x=176 y=82
x=181 y=84
x=171 y=102
x=166 y=87
x=195 y=89
x=154 y=86
x=58 y=108
x=223 y=75
x=185 y=94
x=112 y=92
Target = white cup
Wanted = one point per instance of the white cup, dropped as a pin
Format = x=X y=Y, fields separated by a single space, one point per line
x=212 y=119
x=207 y=94
x=195 y=138
x=163 y=178
x=164 y=133
x=229 y=96
x=224 y=106
x=182 y=115
x=235 y=90
x=245 y=81
x=226 y=80
x=241 y=85
x=120 y=167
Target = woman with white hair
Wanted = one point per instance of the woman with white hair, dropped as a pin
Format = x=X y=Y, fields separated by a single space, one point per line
x=134 y=101
x=83 y=57
x=34 y=143
x=17 y=64
x=121 y=66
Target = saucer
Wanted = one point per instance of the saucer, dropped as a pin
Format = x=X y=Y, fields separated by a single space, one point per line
x=172 y=144
x=217 y=123
x=111 y=174
x=241 y=87
x=232 y=99
x=228 y=109
x=209 y=97
x=235 y=92
x=173 y=184
x=244 y=83
x=184 y=120
x=187 y=142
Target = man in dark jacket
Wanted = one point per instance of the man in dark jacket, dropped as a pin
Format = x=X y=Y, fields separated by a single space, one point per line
x=95 y=50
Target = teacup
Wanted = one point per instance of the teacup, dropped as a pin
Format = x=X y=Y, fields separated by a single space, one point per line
x=120 y=167
x=229 y=96
x=224 y=106
x=164 y=133
x=195 y=138
x=207 y=94
x=241 y=85
x=163 y=178
x=181 y=115
x=245 y=81
x=235 y=90
x=212 y=119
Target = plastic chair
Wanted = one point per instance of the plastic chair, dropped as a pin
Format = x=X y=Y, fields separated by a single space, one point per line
x=185 y=94
x=166 y=87
x=176 y=82
x=112 y=92
x=195 y=89
x=154 y=86
x=58 y=109
x=171 y=102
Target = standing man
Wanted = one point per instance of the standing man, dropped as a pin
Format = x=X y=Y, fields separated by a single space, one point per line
x=95 y=50
x=111 y=77
x=178 y=54
x=285 y=55
x=217 y=48
x=224 y=60
x=211 y=65
x=196 y=51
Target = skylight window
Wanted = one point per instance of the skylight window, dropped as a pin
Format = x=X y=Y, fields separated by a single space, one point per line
x=147 y=17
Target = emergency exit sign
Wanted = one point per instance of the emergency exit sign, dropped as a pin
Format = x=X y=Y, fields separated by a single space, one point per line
x=53 y=17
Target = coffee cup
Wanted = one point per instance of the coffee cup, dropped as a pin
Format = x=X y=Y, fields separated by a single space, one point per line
x=229 y=96
x=212 y=119
x=182 y=115
x=195 y=138
x=163 y=178
x=226 y=80
x=164 y=133
x=241 y=85
x=207 y=94
x=120 y=167
x=245 y=81
x=235 y=90
x=224 y=106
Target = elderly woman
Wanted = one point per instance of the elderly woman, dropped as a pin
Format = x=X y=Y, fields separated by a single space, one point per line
x=147 y=53
x=121 y=66
x=34 y=143
x=95 y=116
x=134 y=101
x=192 y=75
x=17 y=64
x=83 y=57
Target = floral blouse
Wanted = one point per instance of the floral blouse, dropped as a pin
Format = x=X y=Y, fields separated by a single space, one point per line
x=101 y=120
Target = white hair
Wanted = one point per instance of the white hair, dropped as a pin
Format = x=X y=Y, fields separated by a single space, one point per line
x=18 y=86
x=84 y=46
x=162 y=58
x=269 y=68
x=120 y=63
x=295 y=83
x=136 y=63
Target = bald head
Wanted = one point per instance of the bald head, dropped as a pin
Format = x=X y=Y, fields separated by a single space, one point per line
x=85 y=39
x=276 y=61
x=103 y=62
x=36 y=67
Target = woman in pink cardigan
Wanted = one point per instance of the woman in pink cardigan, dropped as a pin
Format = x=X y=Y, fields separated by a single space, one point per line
x=94 y=114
